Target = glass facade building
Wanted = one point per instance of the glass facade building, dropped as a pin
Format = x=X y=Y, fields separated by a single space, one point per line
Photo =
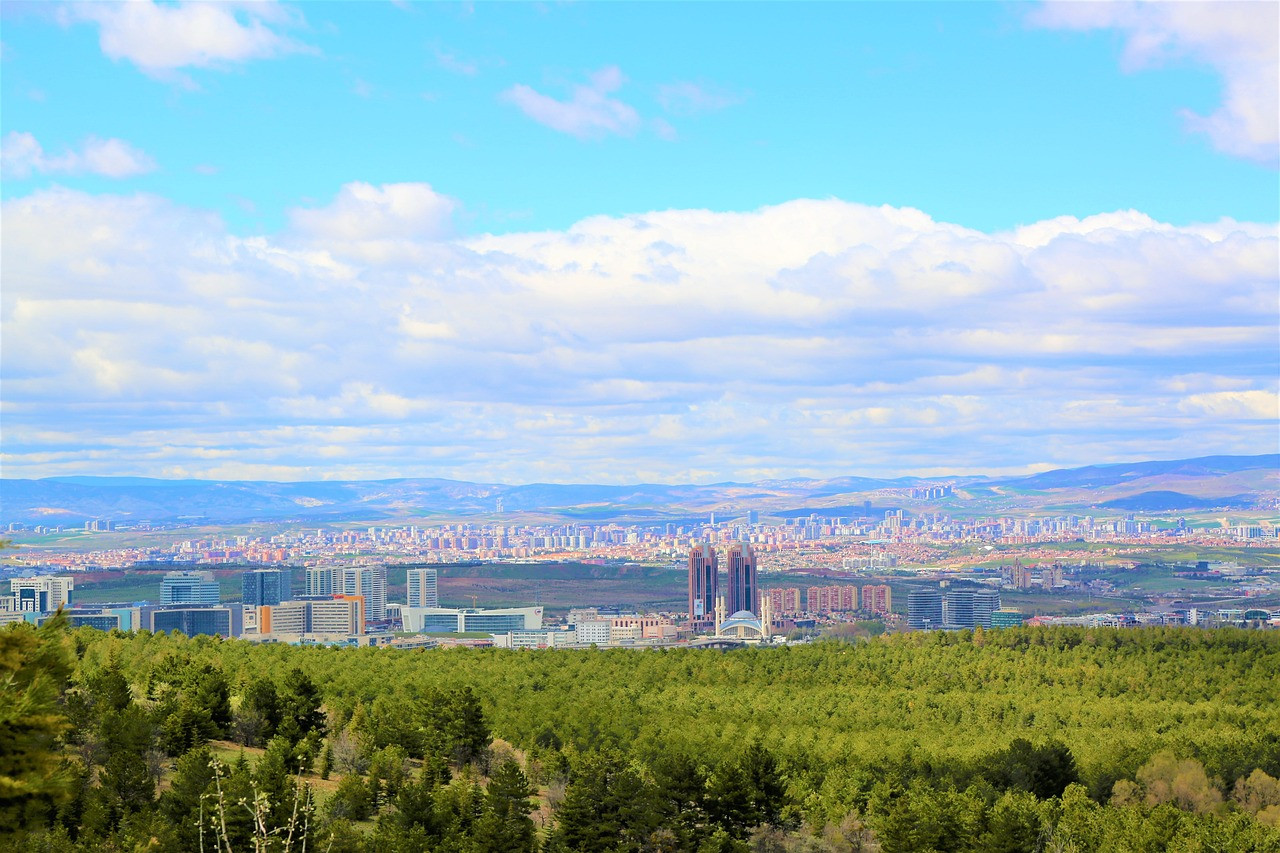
x=189 y=588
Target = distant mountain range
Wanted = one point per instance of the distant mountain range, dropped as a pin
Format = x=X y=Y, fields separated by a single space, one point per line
x=1206 y=483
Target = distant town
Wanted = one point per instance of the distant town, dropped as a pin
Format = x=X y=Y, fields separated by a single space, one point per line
x=870 y=539
x=822 y=572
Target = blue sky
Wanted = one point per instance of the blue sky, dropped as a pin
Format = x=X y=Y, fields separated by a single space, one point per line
x=616 y=241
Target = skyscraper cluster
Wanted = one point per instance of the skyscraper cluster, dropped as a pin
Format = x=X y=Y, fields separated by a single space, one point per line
x=742 y=590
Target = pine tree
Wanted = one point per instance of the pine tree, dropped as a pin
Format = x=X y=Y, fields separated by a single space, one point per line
x=506 y=825
x=35 y=669
x=300 y=702
x=126 y=783
x=467 y=728
x=326 y=760
x=182 y=804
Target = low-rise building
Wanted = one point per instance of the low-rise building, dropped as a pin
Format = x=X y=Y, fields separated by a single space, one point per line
x=457 y=621
x=593 y=632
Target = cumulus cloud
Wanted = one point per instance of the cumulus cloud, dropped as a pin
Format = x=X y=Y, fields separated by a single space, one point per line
x=1237 y=38
x=589 y=113
x=376 y=223
x=814 y=337
x=22 y=155
x=160 y=39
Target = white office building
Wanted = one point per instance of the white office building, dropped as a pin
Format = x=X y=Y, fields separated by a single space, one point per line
x=449 y=620
x=42 y=594
x=371 y=583
x=422 y=588
x=593 y=631
x=189 y=588
x=320 y=581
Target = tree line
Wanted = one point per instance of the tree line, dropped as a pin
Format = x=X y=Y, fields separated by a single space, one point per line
x=1021 y=739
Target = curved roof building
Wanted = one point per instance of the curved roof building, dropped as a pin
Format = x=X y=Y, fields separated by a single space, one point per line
x=743 y=625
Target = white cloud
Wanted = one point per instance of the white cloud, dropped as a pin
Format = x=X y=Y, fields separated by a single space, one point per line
x=590 y=113
x=1238 y=39
x=689 y=98
x=376 y=223
x=455 y=64
x=1248 y=405
x=811 y=337
x=21 y=155
x=162 y=38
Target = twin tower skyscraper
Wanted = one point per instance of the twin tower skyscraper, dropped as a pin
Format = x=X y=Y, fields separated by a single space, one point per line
x=742 y=591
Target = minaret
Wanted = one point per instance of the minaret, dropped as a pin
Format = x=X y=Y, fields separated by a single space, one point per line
x=766 y=618
x=719 y=614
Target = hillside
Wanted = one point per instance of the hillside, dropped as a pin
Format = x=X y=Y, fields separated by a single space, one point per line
x=1211 y=481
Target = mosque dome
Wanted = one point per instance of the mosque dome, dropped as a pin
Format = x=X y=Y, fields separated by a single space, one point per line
x=743 y=624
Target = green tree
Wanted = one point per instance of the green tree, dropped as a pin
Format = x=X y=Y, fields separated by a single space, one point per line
x=208 y=690
x=126 y=782
x=351 y=801
x=682 y=794
x=186 y=728
x=467 y=730
x=182 y=804
x=300 y=706
x=35 y=669
x=1044 y=770
x=506 y=826
x=747 y=792
x=326 y=760
x=259 y=714
x=1014 y=825
x=607 y=806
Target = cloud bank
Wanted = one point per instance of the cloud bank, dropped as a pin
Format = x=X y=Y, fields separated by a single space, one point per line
x=815 y=337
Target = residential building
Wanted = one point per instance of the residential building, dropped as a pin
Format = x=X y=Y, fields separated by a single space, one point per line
x=877 y=598
x=831 y=599
x=785 y=600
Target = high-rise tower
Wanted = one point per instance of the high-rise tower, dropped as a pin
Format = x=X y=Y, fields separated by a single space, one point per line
x=423 y=589
x=744 y=585
x=704 y=570
x=266 y=586
x=370 y=582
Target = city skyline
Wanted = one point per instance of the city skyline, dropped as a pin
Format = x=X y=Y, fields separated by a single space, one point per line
x=510 y=243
